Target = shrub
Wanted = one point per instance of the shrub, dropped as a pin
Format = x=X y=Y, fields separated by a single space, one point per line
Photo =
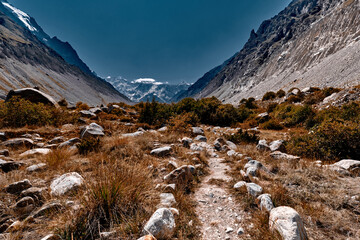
x=183 y=122
x=294 y=99
x=272 y=125
x=243 y=137
x=248 y=103
x=63 y=103
x=270 y=108
x=269 y=96
x=89 y=145
x=294 y=114
x=82 y=106
x=18 y=112
x=281 y=93
x=331 y=140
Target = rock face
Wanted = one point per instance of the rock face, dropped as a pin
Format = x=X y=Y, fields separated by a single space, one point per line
x=309 y=43
x=32 y=95
x=288 y=223
x=161 y=224
x=66 y=183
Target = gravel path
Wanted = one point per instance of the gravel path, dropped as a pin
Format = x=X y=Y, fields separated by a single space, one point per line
x=221 y=217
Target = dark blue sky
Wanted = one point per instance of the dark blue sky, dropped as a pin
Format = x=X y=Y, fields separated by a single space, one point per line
x=168 y=40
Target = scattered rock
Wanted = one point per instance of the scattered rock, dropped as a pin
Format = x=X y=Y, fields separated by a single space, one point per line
x=95 y=110
x=347 y=164
x=8 y=166
x=93 y=130
x=161 y=224
x=186 y=142
x=263 y=146
x=167 y=200
x=161 y=152
x=183 y=173
x=24 y=202
x=265 y=202
x=66 y=183
x=56 y=140
x=252 y=188
x=239 y=185
x=36 y=167
x=283 y=156
x=288 y=223
x=5 y=152
x=201 y=138
x=263 y=117
x=87 y=114
x=33 y=192
x=163 y=129
x=48 y=208
x=196 y=147
x=197 y=131
x=277 y=146
x=252 y=168
x=229 y=230
x=36 y=151
x=240 y=231
x=69 y=143
x=18 y=187
x=231 y=145
x=135 y=134
x=19 y=142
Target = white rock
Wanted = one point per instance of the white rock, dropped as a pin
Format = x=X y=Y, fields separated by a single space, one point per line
x=167 y=200
x=135 y=134
x=239 y=184
x=231 y=145
x=160 y=152
x=36 y=151
x=347 y=164
x=197 y=131
x=66 y=183
x=265 y=202
x=288 y=223
x=36 y=167
x=201 y=138
x=283 y=156
x=277 y=145
x=254 y=189
x=93 y=130
x=161 y=224
x=163 y=129
x=262 y=145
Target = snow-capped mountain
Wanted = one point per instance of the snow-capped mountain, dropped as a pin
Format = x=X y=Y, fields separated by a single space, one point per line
x=64 y=49
x=144 y=89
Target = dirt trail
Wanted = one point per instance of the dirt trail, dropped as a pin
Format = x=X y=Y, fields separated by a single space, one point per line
x=220 y=216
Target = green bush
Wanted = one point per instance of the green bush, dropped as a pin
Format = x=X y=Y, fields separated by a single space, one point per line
x=294 y=115
x=271 y=125
x=271 y=107
x=249 y=103
x=269 y=96
x=18 y=112
x=331 y=140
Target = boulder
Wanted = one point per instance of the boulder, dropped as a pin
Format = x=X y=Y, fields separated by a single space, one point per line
x=347 y=164
x=66 y=183
x=5 y=152
x=18 y=187
x=263 y=146
x=288 y=223
x=161 y=152
x=93 y=130
x=163 y=129
x=252 y=168
x=8 y=166
x=186 y=142
x=18 y=142
x=167 y=200
x=196 y=147
x=231 y=145
x=277 y=145
x=69 y=143
x=283 y=156
x=182 y=173
x=95 y=110
x=252 y=188
x=32 y=95
x=36 y=167
x=265 y=202
x=56 y=140
x=36 y=151
x=161 y=224
x=87 y=114
x=197 y=131
x=201 y=138
x=263 y=117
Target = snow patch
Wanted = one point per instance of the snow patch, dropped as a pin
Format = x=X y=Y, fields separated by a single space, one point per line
x=22 y=16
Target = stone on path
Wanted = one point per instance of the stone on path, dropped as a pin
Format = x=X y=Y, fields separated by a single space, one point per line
x=161 y=224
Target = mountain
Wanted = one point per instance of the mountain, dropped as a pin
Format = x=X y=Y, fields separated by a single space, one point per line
x=147 y=89
x=309 y=43
x=25 y=61
x=64 y=49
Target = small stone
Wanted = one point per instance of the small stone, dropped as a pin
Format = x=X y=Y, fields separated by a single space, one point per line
x=161 y=224
x=229 y=230
x=36 y=151
x=18 y=187
x=240 y=231
x=161 y=152
x=66 y=183
x=201 y=138
x=36 y=167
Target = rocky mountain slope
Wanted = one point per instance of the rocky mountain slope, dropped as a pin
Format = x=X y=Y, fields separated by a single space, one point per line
x=27 y=62
x=64 y=49
x=309 y=43
x=147 y=89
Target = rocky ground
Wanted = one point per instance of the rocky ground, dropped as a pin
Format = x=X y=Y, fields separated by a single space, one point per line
x=191 y=185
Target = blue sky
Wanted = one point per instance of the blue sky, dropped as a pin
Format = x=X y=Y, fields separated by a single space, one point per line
x=166 y=40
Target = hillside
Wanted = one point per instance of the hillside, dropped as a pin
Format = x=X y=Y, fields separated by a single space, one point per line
x=310 y=43
x=27 y=62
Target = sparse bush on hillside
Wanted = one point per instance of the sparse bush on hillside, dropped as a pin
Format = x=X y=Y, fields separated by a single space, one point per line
x=269 y=96
x=331 y=140
x=89 y=145
x=272 y=124
x=243 y=137
x=249 y=103
x=281 y=93
x=19 y=112
x=82 y=106
x=270 y=108
x=293 y=115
